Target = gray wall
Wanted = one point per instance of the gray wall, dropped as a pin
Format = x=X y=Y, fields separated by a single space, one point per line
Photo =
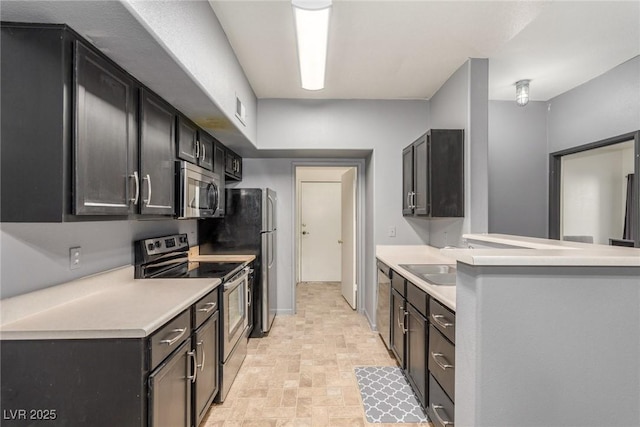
x=36 y=256
x=518 y=168
x=382 y=126
x=606 y=106
x=462 y=103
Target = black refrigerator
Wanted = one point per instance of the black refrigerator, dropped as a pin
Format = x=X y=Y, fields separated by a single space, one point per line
x=248 y=227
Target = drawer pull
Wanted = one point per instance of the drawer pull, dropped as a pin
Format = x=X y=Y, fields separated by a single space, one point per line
x=444 y=366
x=175 y=339
x=436 y=318
x=194 y=358
x=210 y=306
x=442 y=421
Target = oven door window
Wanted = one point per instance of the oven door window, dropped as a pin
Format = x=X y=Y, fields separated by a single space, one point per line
x=236 y=308
x=202 y=197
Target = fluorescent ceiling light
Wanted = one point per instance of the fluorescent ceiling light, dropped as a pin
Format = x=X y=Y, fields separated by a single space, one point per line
x=312 y=30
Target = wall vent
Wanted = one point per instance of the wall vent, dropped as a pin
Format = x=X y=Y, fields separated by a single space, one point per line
x=241 y=113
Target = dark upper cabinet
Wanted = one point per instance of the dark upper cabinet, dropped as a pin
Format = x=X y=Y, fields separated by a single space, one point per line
x=219 y=154
x=156 y=182
x=105 y=136
x=233 y=165
x=206 y=151
x=187 y=140
x=433 y=175
x=36 y=77
x=194 y=145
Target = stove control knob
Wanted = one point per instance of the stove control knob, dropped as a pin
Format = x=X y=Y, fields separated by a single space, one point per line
x=150 y=246
x=158 y=244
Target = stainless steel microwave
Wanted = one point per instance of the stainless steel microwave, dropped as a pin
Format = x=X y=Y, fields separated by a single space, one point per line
x=200 y=193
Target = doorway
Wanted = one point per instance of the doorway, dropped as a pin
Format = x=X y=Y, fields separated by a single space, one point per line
x=593 y=193
x=326 y=230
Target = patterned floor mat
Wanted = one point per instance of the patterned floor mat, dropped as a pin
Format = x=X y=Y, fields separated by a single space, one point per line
x=387 y=396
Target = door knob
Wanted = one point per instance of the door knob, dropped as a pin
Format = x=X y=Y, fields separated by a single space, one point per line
x=340 y=241
x=305 y=232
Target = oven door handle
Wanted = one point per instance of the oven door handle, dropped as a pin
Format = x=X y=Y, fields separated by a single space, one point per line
x=229 y=286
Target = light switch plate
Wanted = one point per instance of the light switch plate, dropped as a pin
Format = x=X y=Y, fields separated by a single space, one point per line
x=74 y=258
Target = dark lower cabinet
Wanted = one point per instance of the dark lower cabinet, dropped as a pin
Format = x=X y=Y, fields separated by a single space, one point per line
x=417 y=341
x=441 y=409
x=170 y=389
x=205 y=388
x=92 y=383
x=398 y=328
x=168 y=379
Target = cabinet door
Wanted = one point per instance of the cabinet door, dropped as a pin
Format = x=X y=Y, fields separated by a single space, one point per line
x=407 y=181
x=170 y=390
x=447 y=173
x=205 y=151
x=398 y=330
x=422 y=176
x=206 y=347
x=219 y=159
x=157 y=161
x=417 y=330
x=105 y=136
x=187 y=140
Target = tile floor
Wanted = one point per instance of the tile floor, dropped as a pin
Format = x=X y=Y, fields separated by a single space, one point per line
x=302 y=374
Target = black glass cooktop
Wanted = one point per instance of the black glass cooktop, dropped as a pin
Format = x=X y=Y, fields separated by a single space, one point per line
x=202 y=270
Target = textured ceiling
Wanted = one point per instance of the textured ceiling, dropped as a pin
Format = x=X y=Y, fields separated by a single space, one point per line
x=407 y=49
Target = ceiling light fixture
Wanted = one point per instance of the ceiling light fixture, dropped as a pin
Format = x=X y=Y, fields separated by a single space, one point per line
x=312 y=31
x=522 y=92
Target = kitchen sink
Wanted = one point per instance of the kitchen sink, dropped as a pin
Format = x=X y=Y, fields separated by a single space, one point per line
x=436 y=274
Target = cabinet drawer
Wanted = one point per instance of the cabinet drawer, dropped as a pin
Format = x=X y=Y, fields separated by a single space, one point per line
x=417 y=297
x=399 y=283
x=442 y=359
x=441 y=408
x=443 y=319
x=205 y=307
x=168 y=338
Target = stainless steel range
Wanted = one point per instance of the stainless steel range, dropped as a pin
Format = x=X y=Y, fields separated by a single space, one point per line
x=168 y=257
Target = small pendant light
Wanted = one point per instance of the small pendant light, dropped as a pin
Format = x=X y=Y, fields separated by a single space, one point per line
x=522 y=92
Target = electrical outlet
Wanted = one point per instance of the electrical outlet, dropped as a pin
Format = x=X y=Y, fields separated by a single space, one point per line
x=74 y=258
x=392 y=231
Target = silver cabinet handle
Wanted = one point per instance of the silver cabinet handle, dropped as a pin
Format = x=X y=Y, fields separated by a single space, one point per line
x=401 y=325
x=436 y=318
x=147 y=178
x=175 y=339
x=201 y=365
x=248 y=298
x=210 y=306
x=136 y=179
x=444 y=366
x=194 y=359
x=413 y=200
x=197 y=149
x=204 y=152
x=442 y=421
x=409 y=199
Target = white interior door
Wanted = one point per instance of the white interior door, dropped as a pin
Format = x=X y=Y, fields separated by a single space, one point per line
x=320 y=230
x=348 y=184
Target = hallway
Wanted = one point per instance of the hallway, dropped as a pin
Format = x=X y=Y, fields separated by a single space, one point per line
x=302 y=373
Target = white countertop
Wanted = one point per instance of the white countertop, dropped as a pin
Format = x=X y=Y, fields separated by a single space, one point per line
x=543 y=252
x=393 y=256
x=106 y=305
